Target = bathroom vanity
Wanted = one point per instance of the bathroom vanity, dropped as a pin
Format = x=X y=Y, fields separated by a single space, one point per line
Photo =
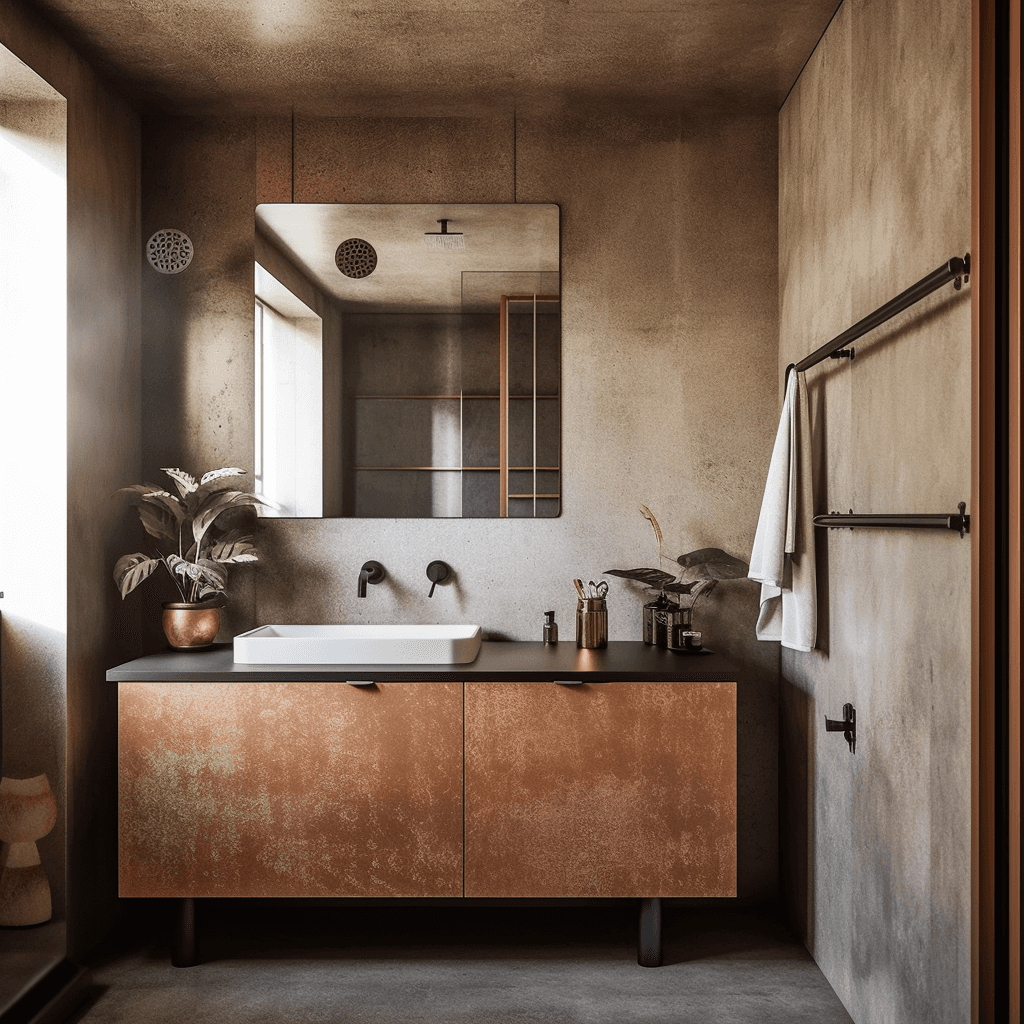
x=536 y=771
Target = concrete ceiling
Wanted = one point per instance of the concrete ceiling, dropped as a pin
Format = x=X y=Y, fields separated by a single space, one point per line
x=447 y=57
x=509 y=249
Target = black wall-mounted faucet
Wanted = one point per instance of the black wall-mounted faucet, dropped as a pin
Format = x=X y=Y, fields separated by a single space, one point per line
x=437 y=572
x=371 y=572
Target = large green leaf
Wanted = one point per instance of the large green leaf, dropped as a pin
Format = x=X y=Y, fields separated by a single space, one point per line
x=179 y=566
x=213 y=575
x=234 y=546
x=131 y=570
x=185 y=482
x=138 y=490
x=167 y=501
x=217 y=474
x=713 y=564
x=161 y=512
x=215 y=480
x=158 y=521
x=204 y=571
x=681 y=588
x=651 y=577
x=214 y=505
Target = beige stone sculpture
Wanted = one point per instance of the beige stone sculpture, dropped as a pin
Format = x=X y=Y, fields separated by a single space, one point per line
x=28 y=811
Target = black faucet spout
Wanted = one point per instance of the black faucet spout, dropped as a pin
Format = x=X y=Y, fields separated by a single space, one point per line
x=371 y=572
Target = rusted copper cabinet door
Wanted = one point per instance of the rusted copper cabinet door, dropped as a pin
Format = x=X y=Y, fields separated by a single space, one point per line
x=602 y=789
x=290 y=789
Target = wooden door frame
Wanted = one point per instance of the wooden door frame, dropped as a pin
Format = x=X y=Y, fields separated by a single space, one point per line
x=1015 y=352
x=995 y=511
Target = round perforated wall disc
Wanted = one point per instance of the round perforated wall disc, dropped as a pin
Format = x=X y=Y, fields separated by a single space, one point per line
x=169 y=250
x=355 y=257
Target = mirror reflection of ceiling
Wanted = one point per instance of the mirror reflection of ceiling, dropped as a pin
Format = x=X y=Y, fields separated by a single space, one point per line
x=410 y=277
x=439 y=58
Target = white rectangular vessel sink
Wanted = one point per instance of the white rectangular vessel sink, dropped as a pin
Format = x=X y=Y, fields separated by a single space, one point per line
x=358 y=645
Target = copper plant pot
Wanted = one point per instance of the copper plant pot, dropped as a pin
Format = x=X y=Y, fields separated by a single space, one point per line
x=191 y=626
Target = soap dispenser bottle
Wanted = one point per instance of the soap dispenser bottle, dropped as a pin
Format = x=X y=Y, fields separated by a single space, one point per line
x=550 y=628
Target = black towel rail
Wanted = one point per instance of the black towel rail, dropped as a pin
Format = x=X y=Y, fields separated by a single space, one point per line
x=955 y=269
x=959 y=520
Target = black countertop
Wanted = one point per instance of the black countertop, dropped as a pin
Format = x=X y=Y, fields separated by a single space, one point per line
x=500 y=661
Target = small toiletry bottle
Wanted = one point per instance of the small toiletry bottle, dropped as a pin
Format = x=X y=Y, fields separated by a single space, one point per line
x=651 y=610
x=550 y=628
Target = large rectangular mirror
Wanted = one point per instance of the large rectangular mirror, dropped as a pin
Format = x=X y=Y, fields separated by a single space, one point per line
x=408 y=360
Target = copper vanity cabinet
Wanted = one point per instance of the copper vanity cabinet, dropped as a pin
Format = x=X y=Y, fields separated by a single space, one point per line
x=290 y=789
x=619 y=789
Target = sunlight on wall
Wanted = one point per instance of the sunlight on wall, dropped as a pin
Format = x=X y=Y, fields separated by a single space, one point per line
x=33 y=392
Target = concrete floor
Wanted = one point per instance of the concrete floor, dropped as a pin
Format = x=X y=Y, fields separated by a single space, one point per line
x=448 y=965
x=25 y=955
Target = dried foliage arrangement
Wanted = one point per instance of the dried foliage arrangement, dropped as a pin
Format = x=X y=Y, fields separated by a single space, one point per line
x=699 y=573
x=200 y=548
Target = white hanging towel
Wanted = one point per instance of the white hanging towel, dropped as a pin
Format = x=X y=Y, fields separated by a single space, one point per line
x=782 y=559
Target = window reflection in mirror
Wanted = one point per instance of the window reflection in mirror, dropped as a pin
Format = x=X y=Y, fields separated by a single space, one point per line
x=406 y=368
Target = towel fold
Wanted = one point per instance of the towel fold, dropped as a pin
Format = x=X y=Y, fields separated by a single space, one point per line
x=782 y=558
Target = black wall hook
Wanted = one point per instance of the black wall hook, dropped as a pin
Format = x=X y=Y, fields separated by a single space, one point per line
x=844 y=353
x=848 y=726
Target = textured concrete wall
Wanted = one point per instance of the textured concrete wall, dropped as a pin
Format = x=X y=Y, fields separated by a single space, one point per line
x=875 y=193
x=103 y=446
x=197 y=365
x=668 y=371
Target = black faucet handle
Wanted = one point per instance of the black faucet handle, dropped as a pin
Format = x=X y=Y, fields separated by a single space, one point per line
x=437 y=572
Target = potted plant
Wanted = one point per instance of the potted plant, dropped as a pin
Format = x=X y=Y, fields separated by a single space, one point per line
x=193 y=545
x=699 y=574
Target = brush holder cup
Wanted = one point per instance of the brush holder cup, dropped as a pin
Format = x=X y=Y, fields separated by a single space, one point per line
x=591 y=623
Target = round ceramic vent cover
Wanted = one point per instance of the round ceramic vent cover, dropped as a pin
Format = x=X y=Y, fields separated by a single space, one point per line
x=169 y=250
x=355 y=257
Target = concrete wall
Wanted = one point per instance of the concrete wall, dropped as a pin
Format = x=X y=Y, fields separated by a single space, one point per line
x=103 y=446
x=874 y=187
x=668 y=369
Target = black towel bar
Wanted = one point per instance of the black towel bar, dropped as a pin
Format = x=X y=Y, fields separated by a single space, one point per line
x=959 y=520
x=954 y=269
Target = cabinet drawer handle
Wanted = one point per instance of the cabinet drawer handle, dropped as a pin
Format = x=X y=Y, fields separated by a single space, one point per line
x=359 y=682
x=568 y=682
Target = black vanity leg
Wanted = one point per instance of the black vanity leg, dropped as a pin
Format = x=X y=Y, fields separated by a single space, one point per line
x=648 y=950
x=183 y=942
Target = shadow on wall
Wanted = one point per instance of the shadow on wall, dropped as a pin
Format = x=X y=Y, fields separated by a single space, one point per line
x=915 y=322
x=819 y=434
x=796 y=796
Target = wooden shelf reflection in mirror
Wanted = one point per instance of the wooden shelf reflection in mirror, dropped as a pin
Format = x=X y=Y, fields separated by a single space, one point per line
x=529 y=354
